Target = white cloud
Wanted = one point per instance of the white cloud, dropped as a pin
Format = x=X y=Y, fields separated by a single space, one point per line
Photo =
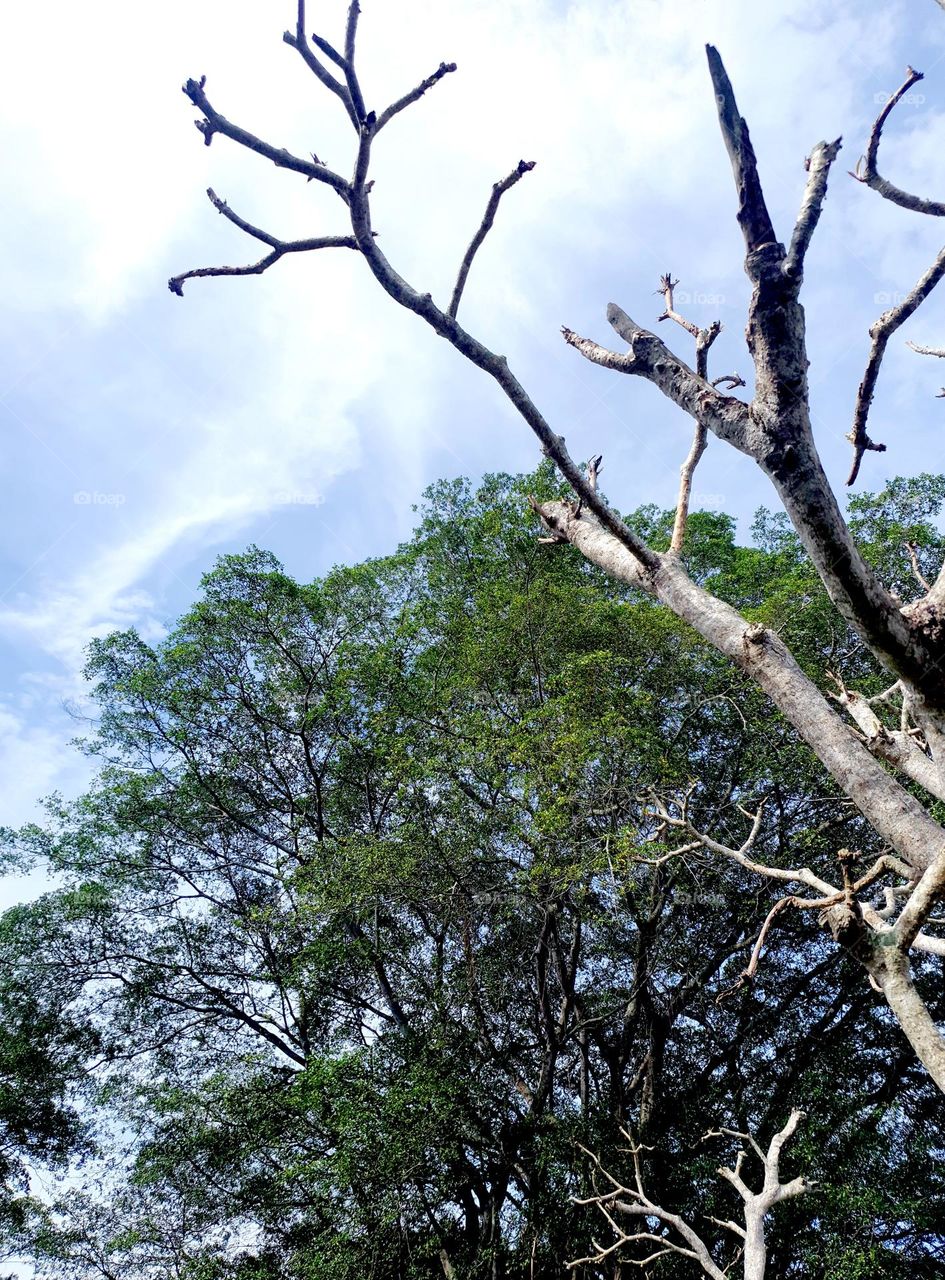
x=206 y=414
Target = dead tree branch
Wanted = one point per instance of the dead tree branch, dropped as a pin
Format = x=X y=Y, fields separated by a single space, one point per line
x=408 y=99
x=488 y=218
x=629 y=1200
x=704 y=339
x=775 y=430
x=298 y=40
x=213 y=123
x=279 y=248
x=881 y=332
x=867 y=172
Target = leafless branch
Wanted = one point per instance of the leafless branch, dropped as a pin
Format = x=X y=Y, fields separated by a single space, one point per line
x=919 y=577
x=650 y=358
x=881 y=332
x=498 y=191
x=927 y=351
x=279 y=248
x=731 y=380
x=751 y=968
x=704 y=339
x=628 y=1199
x=867 y=173
x=818 y=167
x=298 y=40
x=395 y=108
x=753 y=216
x=351 y=75
x=214 y=123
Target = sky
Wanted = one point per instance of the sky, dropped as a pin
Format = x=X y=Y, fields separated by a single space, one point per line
x=143 y=435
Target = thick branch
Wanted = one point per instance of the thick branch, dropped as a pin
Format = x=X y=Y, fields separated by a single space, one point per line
x=753 y=216
x=895 y=746
x=498 y=191
x=895 y=814
x=892 y=973
x=650 y=358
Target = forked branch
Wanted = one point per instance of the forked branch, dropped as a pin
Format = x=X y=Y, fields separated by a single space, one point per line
x=298 y=40
x=704 y=339
x=279 y=248
x=628 y=1200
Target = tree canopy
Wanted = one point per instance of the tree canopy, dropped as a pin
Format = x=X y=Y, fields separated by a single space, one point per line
x=369 y=923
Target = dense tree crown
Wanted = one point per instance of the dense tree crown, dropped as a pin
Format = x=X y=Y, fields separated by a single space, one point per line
x=367 y=929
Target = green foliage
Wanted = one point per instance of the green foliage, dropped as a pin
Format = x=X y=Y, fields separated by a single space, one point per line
x=363 y=923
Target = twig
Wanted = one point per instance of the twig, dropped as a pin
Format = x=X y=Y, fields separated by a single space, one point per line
x=927 y=351
x=751 y=968
x=704 y=339
x=731 y=380
x=498 y=191
x=395 y=108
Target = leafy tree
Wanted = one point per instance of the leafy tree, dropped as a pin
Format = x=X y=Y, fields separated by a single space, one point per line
x=370 y=917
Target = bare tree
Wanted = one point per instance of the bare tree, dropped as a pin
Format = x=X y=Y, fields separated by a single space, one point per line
x=652 y=1225
x=848 y=735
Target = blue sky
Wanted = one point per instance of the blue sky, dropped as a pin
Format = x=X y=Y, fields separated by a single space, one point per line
x=143 y=435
